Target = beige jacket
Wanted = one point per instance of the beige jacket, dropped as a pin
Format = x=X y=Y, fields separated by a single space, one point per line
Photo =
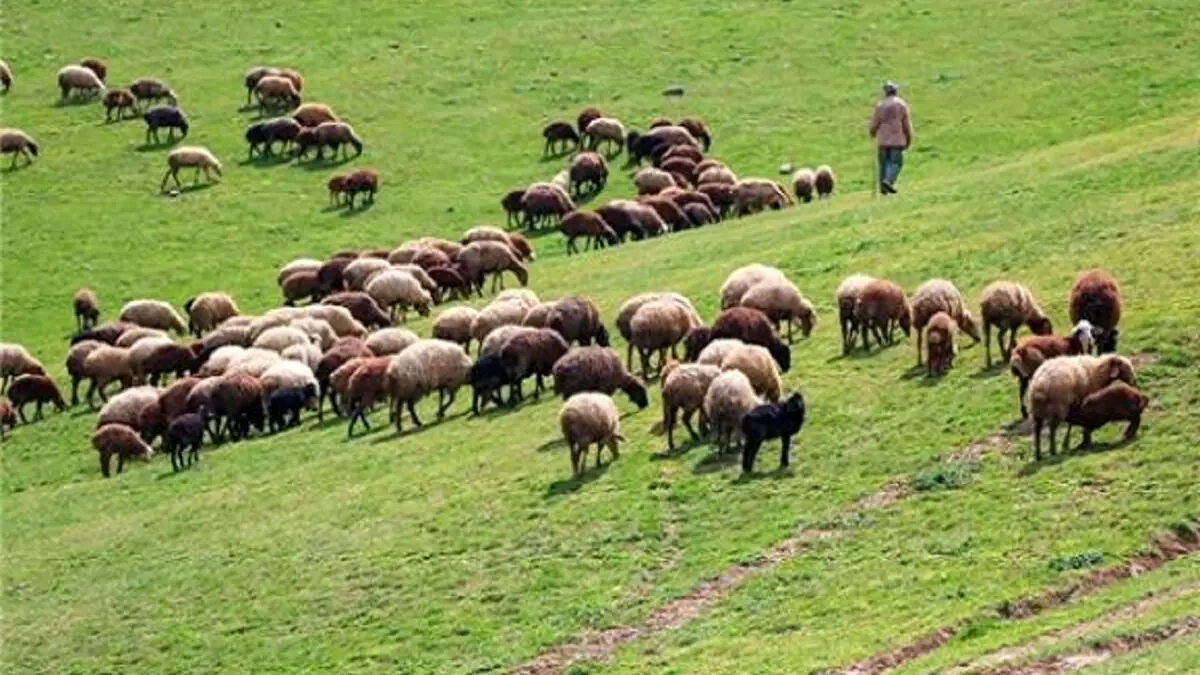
x=890 y=126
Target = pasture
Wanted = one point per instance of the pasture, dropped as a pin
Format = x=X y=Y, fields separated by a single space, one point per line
x=1050 y=138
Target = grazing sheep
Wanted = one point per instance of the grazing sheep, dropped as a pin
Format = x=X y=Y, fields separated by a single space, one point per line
x=880 y=308
x=167 y=359
x=237 y=400
x=36 y=389
x=6 y=77
x=481 y=258
x=332 y=135
x=847 y=298
x=427 y=259
x=1006 y=305
x=337 y=187
x=716 y=175
x=683 y=390
x=940 y=344
x=140 y=352
x=297 y=265
x=781 y=301
x=543 y=201
x=185 y=434
x=489 y=233
x=425 y=367
x=87 y=309
x=126 y=407
x=1096 y=296
x=1031 y=352
x=681 y=166
x=97 y=66
x=104 y=365
x=339 y=319
x=454 y=325
x=577 y=320
x=513 y=204
x=721 y=196
x=671 y=215
x=621 y=221
x=153 y=314
x=288 y=374
x=713 y=353
x=532 y=352
x=657 y=326
x=1064 y=382
x=8 y=418
x=940 y=295
x=752 y=327
x=698 y=129
x=587 y=224
x=136 y=334
x=165 y=117
x=397 y=291
x=362 y=307
x=195 y=157
x=687 y=152
x=285 y=405
x=308 y=355
x=728 y=399
x=200 y=397
x=15 y=361
x=588 y=169
x=254 y=75
x=494 y=316
x=363 y=181
x=359 y=272
x=311 y=115
x=220 y=359
x=641 y=146
x=650 y=181
x=276 y=91
x=151 y=90
x=74 y=364
x=72 y=79
x=122 y=441
x=207 y=310
x=495 y=340
x=596 y=369
x=586 y=116
x=699 y=215
x=172 y=402
x=342 y=354
x=450 y=283
x=279 y=338
x=559 y=133
x=538 y=315
x=824 y=181
x=803 y=184
x=751 y=195
x=758 y=366
x=390 y=341
x=644 y=216
x=120 y=100
x=660 y=122
x=587 y=418
x=1118 y=402
x=263 y=135
x=743 y=279
x=18 y=144
x=629 y=308
x=300 y=286
x=605 y=130
x=772 y=420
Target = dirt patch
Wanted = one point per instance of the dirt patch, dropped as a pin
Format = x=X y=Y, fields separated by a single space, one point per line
x=1099 y=652
x=1001 y=443
x=892 y=492
x=1144 y=359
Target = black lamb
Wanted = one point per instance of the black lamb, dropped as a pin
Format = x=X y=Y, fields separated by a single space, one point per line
x=488 y=375
x=165 y=117
x=185 y=433
x=284 y=406
x=772 y=420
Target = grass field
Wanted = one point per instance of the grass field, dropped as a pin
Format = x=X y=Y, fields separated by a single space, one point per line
x=1051 y=137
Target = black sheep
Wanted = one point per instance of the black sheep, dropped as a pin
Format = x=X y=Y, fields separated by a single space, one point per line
x=559 y=134
x=486 y=378
x=772 y=420
x=284 y=406
x=186 y=432
x=165 y=117
x=641 y=147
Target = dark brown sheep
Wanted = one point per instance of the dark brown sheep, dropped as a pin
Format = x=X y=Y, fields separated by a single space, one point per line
x=122 y=441
x=36 y=389
x=683 y=152
x=511 y=203
x=721 y=196
x=1096 y=297
x=97 y=66
x=541 y=203
x=588 y=171
x=880 y=308
x=586 y=117
x=337 y=188
x=87 y=309
x=698 y=129
x=120 y=100
x=451 y=281
x=152 y=422
x=338 y=354
x=681 y=166
x=299 y=285
x=169 y=359
x=621 y=222
x=262 y=136
x=172 y=402
x=596 y=369
x=521 y=246
x=1118 y=402
x=577 y=320
x=362 y=307
x=184 y=434
x=329 y=276
x=559 y=134
x=752 y=327
x=363 y=181
x=670 y=213
x=685 y=197
x=699 y=214
x=531 y=353
x=430 y=258
x=237 y=400
x=151 y=90
x=586 y=224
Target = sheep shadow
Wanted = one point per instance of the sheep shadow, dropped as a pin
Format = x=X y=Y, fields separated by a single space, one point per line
x=557 y=156
x=120 y=119
x=266 y=161
x=780 y=472
x=331 y=421
x=75 y=102
x=13 y=168
x=1032 y=468
x=1019 y=427
x=325 y=163
x=160 y=145
x=352 y=211
x=168 y=475
x=249 y=107
x=573 y=484
x=193 y=187
x=410 y=429
x=715 y=462
x=551 y=444
x=986 y=373
x=913 y=373
x=679 y=451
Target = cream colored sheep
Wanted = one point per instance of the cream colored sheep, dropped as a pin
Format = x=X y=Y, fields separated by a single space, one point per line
x=1007 y=305
x=287 y=374
x=417 y=272
x=279 y=338
x=153 y=314
x=1064 y=382
x=751 y=195
x=254 y=362
x=605 y=130
x=397 y=291
x=940 y=295
x=847 y=297
x=356 y=274
x=657 y=326
x=824 y=179
x=220 y=360
x=75 y=78
x=781 y=301
x=270 y=320
x=721 y=175
x=630 y=307
x=127 y=406
x=191 y=156
x=297 y=265
x=716 y=351
x=729 y=398
x=207 y=310
x=590 y=418
x=651 y=181
x=15 y=361
x=495 y=315
x=388 y=341
x=523 y=296
x=309 y=355
x=756 y=363
x=743 y=279
x=495 y=340
x=683 y=389
x=480 y=258
x=338 y=318
x=316 y=329
x=104 y=366
x=454 y=325
x=425 y=367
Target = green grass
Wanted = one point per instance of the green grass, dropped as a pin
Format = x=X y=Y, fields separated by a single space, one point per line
x=464 y=548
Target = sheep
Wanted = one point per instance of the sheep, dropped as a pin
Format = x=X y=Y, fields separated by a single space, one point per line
x=199 y=399
x=720 y=195
x=1067 y=381
x=544 y=201
x=278 y=338
x=126 y=407
x=8 y=418
x=284 y=406
x=758 y=366
x=687 y=152
x=336 y=186
x=36 y=389
x=294 y=76
x=185 y=433
x=772 y=420
x=586 y=224
x=362 y=181
x=120 y=100
x=286 y=374
x=104 y=365
x=559 y=133
x=488 y=233
x=588 y=169
x=659 y=325
x=522 y=247
x=15 y=361
x=728 y=399
x=312 y=115
x=237 y=401
x=879 y=308
x=334 y=135
x=698 y=207
x=18 y=144
x=140 y=352
x=397 y=291
x=1006 y=305
x=681 y=166
x=596 y=369
x=356 y=274
x=122 y=441
x=425 y=367
x=698 y=129
x=587 y=418
x=153 y=314
x=668 y=212
x=940 y=295
x=426 y=259
x=523 y=296
x=716 y=175
x=650 y=181
x=752 y=327
x=824 y=181
x=74 y=364
x=683 y=390
x=538 y=315
x=513 y=204
x=586 y=116
x=621 y=221
x=207 y=310
x=803 y=183
x=172 y=401
x=329 y=275
x=646 y=217
x=481 y=258
x=221 y=359
x=1118 y=402
x=714 y=353
x=454 y=325
x=751 y=195
x=166 y=359
x=645 y=145
x=165 y=117
x=781 y=301
x=254 y=75
x=390 y=341
x=191 y=156
x=346 y=351
x=362 y=307
x=297 y=265
x=743 y=279
x=1096 y=296
x=847 y=298
x=940 y=344
x=153 y=90
x=605 y=130
x=100 y=68
x=339 y=319
x=577 y=320
x=533 y=352
x=274 y=90
x=263 y=135
x=1031 y=352
x=232 y=331
x=495 y=340
x=74 y=78
x=450 y=283
x=308 y=355
x=6 y=77
x=299 y=286
x=629 y=308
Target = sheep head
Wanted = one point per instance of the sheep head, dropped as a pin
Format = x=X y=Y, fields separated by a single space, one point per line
x=602 y=338
x=782 y=354
x=968 y=325
x=521 y=273
x=1040 y=325
x=1118 y=368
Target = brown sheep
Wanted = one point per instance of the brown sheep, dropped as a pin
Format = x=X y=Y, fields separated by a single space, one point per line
x=337 y=356
x=1118 y=402
x=450 y=282
x=660 y=122
x=698 y=129
x=721 y=196
x=596 y=369
x=87 y=309
x=238 y=401
x=586 y=116
x=363 y=181
x=1031 y=352
x=120 y=100
x=824 y=181
x=588 y=169
x=531 y=353
x=684 y=152
x=577 y=319
x=670 y=213
x=337 y=187
x=482 y=258
x=1007 y=305
x=276 y=91
x=880 y=307
x=685 y=197
x=522 y=247
x=300 y=285
x=97 y=66
x=18 y=144
x=512 y=203
x=682 y=166
x=940 y=295
x=940 y=343
x=36 y=389
x=430 y=258
x=8 y=418
x=1096 y=297
x=152 y=90
x=752 y=327
x=586 y=224
x=559 y=134
x=362 y=307
x=539 y=203
x=122 y=441
x=699 y=214
x=329 y=275
x=6 y=77
x=312 y=115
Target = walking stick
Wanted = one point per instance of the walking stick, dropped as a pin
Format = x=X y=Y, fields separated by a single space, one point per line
x=875 y=178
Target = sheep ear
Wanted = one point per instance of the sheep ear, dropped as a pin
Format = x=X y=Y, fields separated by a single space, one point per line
x=1114 y=371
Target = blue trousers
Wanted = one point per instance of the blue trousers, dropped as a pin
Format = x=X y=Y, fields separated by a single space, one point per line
x=891 y=160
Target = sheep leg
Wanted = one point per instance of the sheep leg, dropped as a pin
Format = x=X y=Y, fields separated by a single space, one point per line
x=37 y=413
x=104 y=462
x=866 y=329
x=120 y=463
x=919 y=341
x=987 y=342
x=749 y=451
x=75 y=391
x=21 y=413
x=1022 y=388
x=687 y=424
x=785 y=452
x=1053 y=437
x=412 y=411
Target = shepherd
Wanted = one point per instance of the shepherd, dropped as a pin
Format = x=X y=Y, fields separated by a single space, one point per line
x=892 y=131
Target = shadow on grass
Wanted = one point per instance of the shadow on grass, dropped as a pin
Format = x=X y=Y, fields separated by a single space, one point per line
x=324 y=163
x=352 y=211
x=753 y=477
x=410 y=428
x=986 y=373
x=714 y=462
x=1032 y=468
x=11 y=167
x=75 y=101
x=860 y=354
x=160 y=145
x=109 y=121
x=913 y=373
x=679 y=451
x=193 y=187
x=266 y=161
x=570 y=485
x=552 y=444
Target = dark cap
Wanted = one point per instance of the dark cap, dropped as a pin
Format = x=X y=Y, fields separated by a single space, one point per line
x=890 y=87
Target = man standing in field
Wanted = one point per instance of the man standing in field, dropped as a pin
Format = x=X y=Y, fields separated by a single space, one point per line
x=892 y=131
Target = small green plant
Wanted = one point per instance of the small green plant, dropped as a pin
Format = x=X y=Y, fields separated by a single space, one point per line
x=1077 y=562
x=948 y=476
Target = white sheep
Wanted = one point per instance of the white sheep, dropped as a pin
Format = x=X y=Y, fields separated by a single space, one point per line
x=287 y=374
x=425 y=367
x=1064 y=382
x=419 y=274
x=153 y=314
x=651 y=181
x=74 y=78
x=220 y=360
x=309 y=355
x=781 y=301
x=729 y=398
x=191 y=156
x=339 y=318
x=454 y=325
x=388 y=341
x=755 y=363
x=297 y=265
x=716 y=351
x=279 y=338
x=590 y=418
x=356 y=274
x=524 y=296
x=743 y=279
x=397 y=291
x=605 y=130
x=495 y=315
x=254 y=362
x=127 y=406
x=316 y=329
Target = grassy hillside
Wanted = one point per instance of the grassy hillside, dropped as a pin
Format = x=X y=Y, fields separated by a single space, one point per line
x=1050 y=138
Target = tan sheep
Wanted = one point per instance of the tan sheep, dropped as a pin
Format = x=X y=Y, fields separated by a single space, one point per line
x=729 y=398
x=140 y=352
x=757 y=365
x=743 y=279
x=309 y=355
x=538 y=315
x=590 y=418
x=220 y=360
x=298 y=265
x=454 y=325
x=481 y=258
x=18 y=144
x=279 y=338
x=1007 y=305
x=318 y=330
x=15 y=361
x=191 y=156
x=494 y=343
x=940 y=295
x=630 y=307
x=135 y=335
x=339 y=318
x=781 y=301
x=657 y=326
x=397 y=291
x=716 y=351
x=153 y=314
x=651 y=181
x=1062 y=383
x=358 y=273
x=847 y=297
x=127 y=406
x=425 y=367
x=73 y=78
x=683 y=389
x=311 y=115
x=494 y=316
x=389 y=341
x=276 y=91
x=751 y=195
x=605 y=130
x=207 y=310
x=106 y=365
